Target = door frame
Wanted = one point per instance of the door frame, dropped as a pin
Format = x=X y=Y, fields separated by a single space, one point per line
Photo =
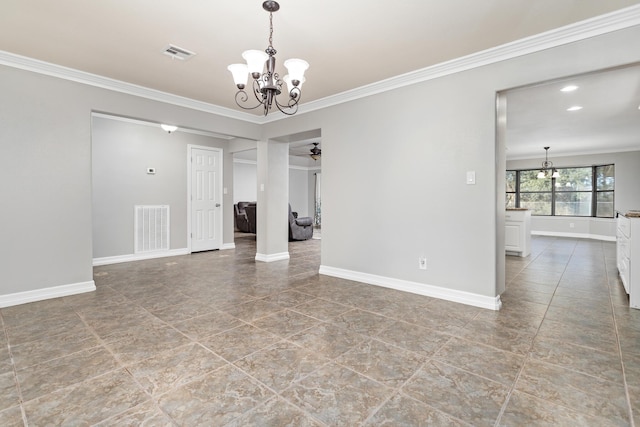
x=190 y=148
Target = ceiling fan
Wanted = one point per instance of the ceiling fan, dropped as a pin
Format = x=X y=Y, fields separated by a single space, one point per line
x=315 y=151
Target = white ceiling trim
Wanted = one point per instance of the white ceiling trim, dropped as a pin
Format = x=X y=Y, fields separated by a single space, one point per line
x=46 y=68
x=156 y=124
x=575 y=153
x=623 y=18
x=295 y=167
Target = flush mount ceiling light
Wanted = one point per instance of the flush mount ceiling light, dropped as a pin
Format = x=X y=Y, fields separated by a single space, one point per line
x=168 y=128
x=315 y=151
x=569 y=88
x=548 y=171
x=267 y=85
x=574 y=108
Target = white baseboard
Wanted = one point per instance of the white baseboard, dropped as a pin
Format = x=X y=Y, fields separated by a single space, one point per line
x=574 y=235
x=138 y=257
x=46 y=293
x=226 y=246
x=492 y=303
x=273 y=257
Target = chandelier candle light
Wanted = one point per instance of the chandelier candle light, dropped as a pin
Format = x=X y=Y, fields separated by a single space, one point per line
x=267 y=85
x=546 y=165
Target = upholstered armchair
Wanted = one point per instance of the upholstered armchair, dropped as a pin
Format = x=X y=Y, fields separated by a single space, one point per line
x=242 y=221
x=250 y=210
x=300 y=228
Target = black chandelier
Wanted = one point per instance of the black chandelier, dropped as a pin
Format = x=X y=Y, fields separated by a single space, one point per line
x=267 y=85
x=548 y=171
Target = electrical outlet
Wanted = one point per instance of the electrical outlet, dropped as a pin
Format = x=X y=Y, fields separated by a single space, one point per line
x=422 y=263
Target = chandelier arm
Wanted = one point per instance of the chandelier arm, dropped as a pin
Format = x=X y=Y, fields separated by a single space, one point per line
x=291 y=107
x=242 y=97
x=283 y=110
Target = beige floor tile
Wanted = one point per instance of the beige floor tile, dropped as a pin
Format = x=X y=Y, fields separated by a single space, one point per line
x=278 y=366
x=155 y=343
x=216 y=399
x=86 y=403
x=328 y=340
x=173 y=368
x=404 y=411
x=276 y=412
x=239 y=342
x=527 y=410
x=489 y=362
x=208 y=324
x=579 y=392
x=468 y=397
x=47 y=377
x=605 y=365
x=11 y=417
x=382 y=362
x=337 y=396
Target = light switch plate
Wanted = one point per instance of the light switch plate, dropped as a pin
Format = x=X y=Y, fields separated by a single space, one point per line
x=471 y=177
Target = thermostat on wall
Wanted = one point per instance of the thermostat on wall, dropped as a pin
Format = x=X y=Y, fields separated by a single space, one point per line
x=151 y=171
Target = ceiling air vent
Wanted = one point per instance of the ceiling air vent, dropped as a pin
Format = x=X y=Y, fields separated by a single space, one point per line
x=178 y=53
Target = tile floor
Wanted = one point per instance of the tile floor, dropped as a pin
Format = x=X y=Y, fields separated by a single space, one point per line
x=217 y=339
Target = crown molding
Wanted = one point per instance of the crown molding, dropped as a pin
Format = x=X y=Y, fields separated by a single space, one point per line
x=294 y=167
x=617 y=20
x=109 y=116
x=599 y=25
x=49 y=69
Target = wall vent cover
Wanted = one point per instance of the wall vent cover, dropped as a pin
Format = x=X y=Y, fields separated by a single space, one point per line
x=151 y=228
x=178 y=53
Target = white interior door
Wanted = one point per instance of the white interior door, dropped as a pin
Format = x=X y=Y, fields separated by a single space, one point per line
x=206 y=199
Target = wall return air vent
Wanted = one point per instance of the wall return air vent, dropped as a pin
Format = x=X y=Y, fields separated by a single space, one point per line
x=178 y=53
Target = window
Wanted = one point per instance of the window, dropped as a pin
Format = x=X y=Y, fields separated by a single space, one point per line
x=579 y=191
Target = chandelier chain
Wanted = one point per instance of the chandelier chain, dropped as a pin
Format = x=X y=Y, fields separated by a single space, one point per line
x=271 y=30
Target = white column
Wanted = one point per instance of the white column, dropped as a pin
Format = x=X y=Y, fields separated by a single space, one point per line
x=272 y=223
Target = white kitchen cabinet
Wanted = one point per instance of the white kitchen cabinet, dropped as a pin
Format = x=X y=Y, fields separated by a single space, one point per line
x=628 y=256
x=517 y=233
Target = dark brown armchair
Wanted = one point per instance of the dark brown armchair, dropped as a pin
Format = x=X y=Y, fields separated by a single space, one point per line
x=241 y=218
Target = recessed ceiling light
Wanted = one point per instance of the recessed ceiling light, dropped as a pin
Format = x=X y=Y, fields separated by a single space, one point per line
x=574 y=108
x=569 y=88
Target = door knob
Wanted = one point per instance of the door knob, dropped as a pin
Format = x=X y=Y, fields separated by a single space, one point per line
x=217 y=205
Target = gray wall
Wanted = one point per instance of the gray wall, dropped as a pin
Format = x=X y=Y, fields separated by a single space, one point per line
x=245 y=182
x=394 y=172
x=393 y=167
x=45 y=172
x=121 y=153
x=301 y=190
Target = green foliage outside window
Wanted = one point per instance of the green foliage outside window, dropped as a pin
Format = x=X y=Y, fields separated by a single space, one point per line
x=578 y=191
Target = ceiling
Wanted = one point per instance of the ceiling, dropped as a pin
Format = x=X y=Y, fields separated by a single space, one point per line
x=608 y=122
x=349 y=44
